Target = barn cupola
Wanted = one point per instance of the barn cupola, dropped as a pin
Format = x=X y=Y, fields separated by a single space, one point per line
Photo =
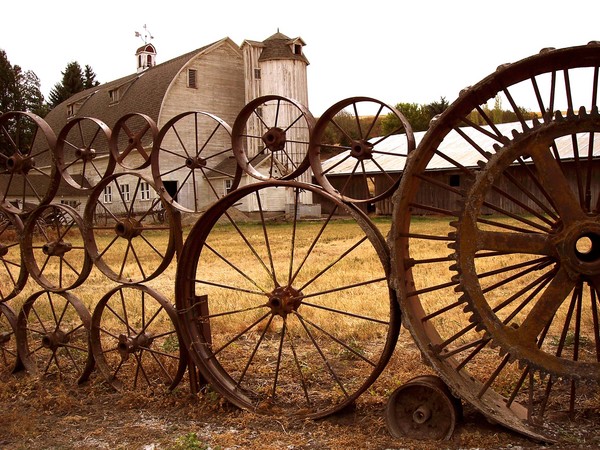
x=146 y=57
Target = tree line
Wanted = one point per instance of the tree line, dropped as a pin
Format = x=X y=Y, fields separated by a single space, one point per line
x=20 y=89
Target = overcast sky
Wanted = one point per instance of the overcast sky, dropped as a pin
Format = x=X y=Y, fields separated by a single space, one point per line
x=394 y=51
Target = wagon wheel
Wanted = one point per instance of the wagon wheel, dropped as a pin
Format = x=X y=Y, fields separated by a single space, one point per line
x=270 y=138
x=53 y=336
x=82 y=152
x=518 y=274
x=135 y=339
x=10 y=362
x=195 y=157
x=53 y=248
x=132 y=140
x=28 y=174
x=275 y=313
x=361 y=149
x=13 y=274
x=127 y=245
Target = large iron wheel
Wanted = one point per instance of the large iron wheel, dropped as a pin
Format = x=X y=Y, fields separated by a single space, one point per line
x=53 y=337
x=271 y=137
x=193 y=169
x=82 y=152
x=132 y=140
x=124 y=241
x=353 y=167
x=53 y=247
x=28 y=173
x=13 y=274
x=287 y=312
x=486 y=238
x=135 y=339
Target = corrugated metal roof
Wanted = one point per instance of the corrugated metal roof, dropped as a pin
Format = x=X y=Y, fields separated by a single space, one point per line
x=390 y=153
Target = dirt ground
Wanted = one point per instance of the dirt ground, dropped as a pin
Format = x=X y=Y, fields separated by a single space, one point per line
x=49 y=415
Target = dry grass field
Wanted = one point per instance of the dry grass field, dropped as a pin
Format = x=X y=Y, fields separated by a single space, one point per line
x=53 y=413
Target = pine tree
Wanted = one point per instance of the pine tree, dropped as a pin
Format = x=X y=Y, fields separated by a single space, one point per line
x=72 y=82
x=89 y=76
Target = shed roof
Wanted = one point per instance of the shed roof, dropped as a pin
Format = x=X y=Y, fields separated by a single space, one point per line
x=454 y=146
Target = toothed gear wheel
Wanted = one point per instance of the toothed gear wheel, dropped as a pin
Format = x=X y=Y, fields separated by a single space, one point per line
x=557 y=242
x=490 y=241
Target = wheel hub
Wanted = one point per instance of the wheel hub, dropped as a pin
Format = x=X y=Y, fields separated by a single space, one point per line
x=19 y=164
x=129 y=228
x=56 y=248
x=361 y=150
x=86 y=154
x=284 y=300
x=132 y=344
x=195 y=163
x=55 y=339
x=4 y=337
x=3 y=250
x=274 y=139
x=579 y=249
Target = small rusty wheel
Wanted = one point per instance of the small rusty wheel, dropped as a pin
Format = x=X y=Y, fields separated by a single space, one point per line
x=135 y=339
x=53 y=336
x=270 y=138
x=10 y=362
x=82 y=152
x=132 y=140
x=13 y=274
x=192 y=170
x=423 y=408
x=53 y=247
x=276 y=313
x=484 y=221
x=360 y=149
x=123 y=239
x=28 y=173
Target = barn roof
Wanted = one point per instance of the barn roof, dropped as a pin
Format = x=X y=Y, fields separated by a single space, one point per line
x=453 y=146
x=139 y=92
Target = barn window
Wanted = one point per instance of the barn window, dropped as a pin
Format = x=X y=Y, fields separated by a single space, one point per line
x=257 y=74
x=108 y=194
x=298 y=49
x=192 y=78
x=72 y=203
x=454 y=180
x=125 y=192
x=114 y=95
x=145 y=190
x=228 y=185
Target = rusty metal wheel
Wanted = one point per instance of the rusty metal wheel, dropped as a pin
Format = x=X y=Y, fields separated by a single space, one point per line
x=423 y=408
x=13 y=274
x=132 y=140
x=53 y=247
x=28 y=173
x=82 y=152
x=135 y=339
x=286 y=307
x=53 y=336
x=124 y=241
x=270 y=138
x=193 y=169
x=494 y=239
x=10 y=362
x=352 y=167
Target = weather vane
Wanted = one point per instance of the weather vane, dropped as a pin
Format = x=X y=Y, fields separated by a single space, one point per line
x=147 y=35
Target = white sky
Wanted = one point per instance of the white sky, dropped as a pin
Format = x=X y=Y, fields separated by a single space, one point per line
x=394 y=51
